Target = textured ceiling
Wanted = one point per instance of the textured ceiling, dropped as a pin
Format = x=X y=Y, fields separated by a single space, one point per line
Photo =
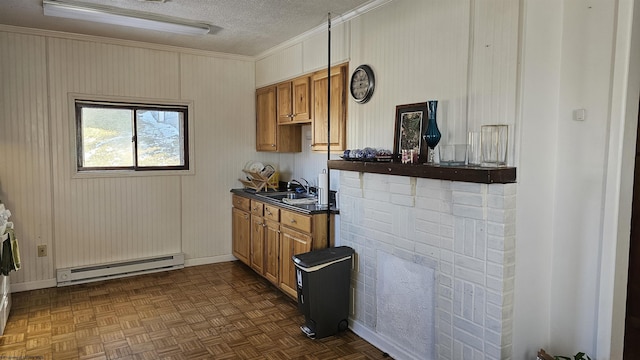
x=249 y=27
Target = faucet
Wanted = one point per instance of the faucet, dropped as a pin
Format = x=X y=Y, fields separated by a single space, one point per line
x=295 y=181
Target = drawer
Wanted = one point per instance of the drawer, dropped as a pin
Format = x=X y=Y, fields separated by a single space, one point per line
x=257 y=207
x=271 y=212
x=295 y=220
x=240 y=202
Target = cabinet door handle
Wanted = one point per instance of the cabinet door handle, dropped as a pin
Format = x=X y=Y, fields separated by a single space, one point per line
x=273 y=145
x=246 y=217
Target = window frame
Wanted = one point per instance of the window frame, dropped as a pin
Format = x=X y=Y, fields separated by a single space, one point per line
x=78 y=101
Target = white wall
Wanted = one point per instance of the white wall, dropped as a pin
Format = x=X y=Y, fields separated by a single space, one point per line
x=303 y=55
x=587 y=52
x=562 y=60
x=87 y=220
x=419 y=49
x=619 y=182
x=567 y=65
x=537 y=145
x=25 y=168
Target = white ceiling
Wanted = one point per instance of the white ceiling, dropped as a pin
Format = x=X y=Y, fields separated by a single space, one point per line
x=249 y=27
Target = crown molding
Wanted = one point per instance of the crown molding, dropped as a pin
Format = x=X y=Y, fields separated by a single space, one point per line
x=122 y=42
x=337 y=20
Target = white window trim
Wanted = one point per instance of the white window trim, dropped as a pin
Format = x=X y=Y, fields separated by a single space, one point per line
x=90 y=174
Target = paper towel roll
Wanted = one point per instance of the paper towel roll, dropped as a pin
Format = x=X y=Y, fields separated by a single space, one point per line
x=323 y=188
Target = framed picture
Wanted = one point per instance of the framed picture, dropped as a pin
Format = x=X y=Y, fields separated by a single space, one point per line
x=411 y=122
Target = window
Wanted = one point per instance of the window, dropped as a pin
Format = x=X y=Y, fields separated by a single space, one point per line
x=124 y=136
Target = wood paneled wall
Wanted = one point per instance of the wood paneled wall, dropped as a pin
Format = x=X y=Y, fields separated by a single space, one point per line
x=25 y=166
x=109 y=219
x=462 y=53
x=88 y=220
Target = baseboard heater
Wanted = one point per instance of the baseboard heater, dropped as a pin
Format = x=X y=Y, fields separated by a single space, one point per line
x=114 y=270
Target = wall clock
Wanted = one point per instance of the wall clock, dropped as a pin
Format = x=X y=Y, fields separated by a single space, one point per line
x=362 y=84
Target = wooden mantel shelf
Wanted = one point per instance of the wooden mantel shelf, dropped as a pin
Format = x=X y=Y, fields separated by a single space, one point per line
x=474 y=174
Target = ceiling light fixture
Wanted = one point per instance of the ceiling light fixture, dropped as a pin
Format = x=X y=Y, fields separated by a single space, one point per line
x=123 y=17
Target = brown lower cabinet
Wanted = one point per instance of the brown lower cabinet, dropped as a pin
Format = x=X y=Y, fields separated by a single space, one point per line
x=272 y=251
x=265 y=237
x=241 y=220
x=292 y=242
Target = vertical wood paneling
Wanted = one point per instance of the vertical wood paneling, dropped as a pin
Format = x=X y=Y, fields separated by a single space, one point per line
x=109 y=219
x=419 y=51
x=282 y=65
x=493 y=74
x=223 y=91
x=315 y=48
x=25 y=185
x=93 y=220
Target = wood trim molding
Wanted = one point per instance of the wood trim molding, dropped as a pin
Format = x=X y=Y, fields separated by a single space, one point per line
x=474 y=174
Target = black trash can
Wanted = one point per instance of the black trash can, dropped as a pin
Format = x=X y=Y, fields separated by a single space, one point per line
x=323 y=281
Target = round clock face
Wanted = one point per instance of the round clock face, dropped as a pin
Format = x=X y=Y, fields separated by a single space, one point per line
x=362 y=84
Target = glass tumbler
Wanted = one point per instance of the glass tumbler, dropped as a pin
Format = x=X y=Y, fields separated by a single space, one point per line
x=494 y=141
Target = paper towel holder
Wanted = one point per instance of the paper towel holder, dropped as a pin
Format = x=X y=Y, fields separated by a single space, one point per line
x=323 y=188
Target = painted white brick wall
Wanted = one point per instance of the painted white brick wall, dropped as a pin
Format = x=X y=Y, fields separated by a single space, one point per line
x=464 y=231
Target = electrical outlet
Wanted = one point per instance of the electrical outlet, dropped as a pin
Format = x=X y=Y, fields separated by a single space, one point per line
x=42 y=250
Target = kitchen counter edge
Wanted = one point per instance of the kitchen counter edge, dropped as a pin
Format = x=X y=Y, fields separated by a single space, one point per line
x=304 y=209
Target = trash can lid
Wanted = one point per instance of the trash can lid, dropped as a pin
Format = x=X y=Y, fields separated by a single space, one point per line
x=322 y=256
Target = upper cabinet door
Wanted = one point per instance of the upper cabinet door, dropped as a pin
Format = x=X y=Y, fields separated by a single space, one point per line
x=270 y=136
x=266 y=126
x=294 y=101
x=285 y=103
x=301 y=99
x=319 y=85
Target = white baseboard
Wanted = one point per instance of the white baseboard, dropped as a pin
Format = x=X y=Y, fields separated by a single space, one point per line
x=49 y=283
x=380 y=341
x=34 y=285
x=209 y=260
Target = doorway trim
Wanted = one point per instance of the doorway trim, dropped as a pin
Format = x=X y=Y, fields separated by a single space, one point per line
x=616 y=215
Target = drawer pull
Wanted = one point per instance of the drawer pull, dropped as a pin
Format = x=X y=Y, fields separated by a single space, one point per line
x=293 y=221
x=269 y=213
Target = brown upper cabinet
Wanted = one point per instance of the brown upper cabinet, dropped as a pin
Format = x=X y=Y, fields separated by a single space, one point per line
x=283 y=107
x=319 y=131
x=270 y=136
x=294 y=101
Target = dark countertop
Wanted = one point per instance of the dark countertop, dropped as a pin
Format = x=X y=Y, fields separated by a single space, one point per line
x=310 y=209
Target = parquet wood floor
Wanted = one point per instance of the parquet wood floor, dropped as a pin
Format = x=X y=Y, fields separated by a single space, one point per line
x=217 y=311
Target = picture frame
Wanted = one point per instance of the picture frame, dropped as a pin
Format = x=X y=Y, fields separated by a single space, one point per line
x=411 y=122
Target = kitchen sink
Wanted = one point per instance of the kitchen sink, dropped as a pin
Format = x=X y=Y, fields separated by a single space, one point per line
x=286 y=195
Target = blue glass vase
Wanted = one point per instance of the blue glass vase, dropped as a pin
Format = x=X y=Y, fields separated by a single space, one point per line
x=432 y=134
